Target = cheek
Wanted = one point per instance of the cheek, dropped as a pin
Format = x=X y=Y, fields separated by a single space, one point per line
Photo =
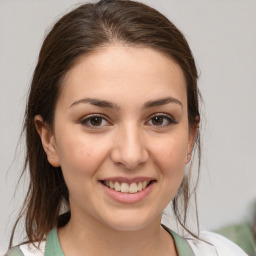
x=80 y=155
x=80 y=159
x=169 y=155
x=171 y=151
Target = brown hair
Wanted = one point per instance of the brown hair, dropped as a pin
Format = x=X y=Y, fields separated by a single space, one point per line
x=76 y=34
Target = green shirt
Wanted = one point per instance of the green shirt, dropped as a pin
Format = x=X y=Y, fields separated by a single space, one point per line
x=53 y=248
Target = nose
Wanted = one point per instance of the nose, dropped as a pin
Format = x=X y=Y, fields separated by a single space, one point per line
x=129 y=149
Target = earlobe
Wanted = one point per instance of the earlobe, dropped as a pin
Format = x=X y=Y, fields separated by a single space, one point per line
x=48 y=140
x=188 y=157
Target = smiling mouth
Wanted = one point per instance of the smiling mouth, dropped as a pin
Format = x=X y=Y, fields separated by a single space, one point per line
x=124 y=187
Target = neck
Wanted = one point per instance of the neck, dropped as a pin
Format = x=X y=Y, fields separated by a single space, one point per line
x=94 y=238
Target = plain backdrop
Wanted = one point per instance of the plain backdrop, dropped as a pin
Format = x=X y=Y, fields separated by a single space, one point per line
x=222 y=35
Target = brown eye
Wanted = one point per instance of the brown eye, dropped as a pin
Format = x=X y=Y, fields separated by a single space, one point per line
x=95 y=121
x=161 y=120
x=157 y=120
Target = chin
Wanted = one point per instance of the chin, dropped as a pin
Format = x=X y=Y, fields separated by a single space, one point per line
x=132 y=222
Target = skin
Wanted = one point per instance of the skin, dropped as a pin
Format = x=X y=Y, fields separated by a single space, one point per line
x=127 y=143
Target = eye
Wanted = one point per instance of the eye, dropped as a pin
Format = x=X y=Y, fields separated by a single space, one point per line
x=161 y=120
x=94 y=121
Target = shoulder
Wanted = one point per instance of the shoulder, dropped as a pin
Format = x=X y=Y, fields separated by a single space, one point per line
x=27 y=250
x=214 y=244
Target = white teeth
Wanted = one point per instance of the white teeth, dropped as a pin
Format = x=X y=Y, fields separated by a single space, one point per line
x=111 y=184
x=144 y=184
x=117 y=186
x=125 y=187
x=133 y=188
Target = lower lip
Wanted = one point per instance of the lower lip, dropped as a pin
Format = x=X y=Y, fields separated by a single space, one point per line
x=128 y=197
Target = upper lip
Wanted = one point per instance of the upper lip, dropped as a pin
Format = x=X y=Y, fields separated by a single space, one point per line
x=128 y=180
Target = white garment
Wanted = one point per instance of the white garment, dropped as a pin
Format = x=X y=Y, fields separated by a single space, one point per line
x=30 y=250
x=218 y=245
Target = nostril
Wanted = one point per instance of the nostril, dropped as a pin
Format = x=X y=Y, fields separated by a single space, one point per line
x=129 y=153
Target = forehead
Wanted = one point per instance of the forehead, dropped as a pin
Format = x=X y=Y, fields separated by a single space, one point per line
x=124 y=74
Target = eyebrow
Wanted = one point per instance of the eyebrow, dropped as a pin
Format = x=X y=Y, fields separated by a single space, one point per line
x=97 y=102
x=160 y=102
x=107 y=104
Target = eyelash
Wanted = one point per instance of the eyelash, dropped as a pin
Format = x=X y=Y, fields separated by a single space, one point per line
x=170 y=120
x=86 y=121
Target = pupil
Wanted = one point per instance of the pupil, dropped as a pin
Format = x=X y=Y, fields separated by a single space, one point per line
x=158 y=120
x=96 y=121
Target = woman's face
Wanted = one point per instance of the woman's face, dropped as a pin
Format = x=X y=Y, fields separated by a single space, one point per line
x=121 y=123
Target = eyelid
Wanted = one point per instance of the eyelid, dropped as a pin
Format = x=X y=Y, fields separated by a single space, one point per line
x=170 y=118
x=88 y=117
x=163 y=114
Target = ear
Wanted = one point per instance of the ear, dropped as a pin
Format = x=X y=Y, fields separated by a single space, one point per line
x=48 y=140
x=192 y=139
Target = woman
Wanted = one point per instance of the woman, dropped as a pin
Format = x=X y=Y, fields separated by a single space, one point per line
x=111 y=123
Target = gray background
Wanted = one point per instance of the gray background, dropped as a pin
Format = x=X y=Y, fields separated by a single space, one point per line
x=222 y=35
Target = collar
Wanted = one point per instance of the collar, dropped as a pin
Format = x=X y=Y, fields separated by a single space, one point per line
x=53 y=244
